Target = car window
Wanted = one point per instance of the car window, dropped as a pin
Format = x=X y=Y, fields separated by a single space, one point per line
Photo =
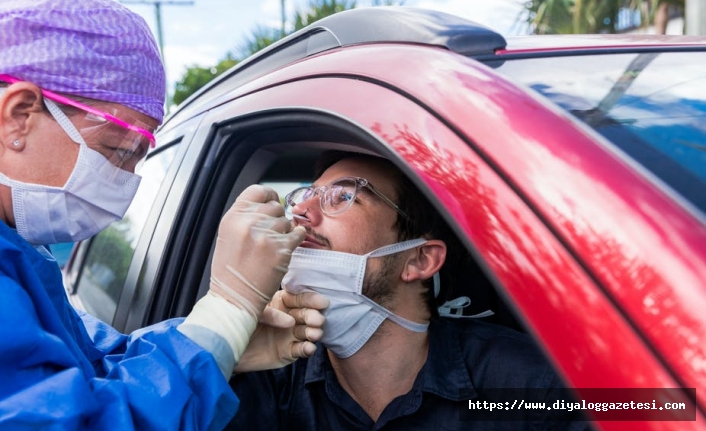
x=109 y=254
x=650 y=105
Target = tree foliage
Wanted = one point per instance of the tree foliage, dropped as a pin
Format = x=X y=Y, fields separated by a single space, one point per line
x=593 y=16
x=196 y=77
x=112 y=253
x=262 y=37
x=318 y=9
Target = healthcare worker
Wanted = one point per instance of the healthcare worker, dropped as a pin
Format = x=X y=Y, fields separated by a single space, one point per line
x=82 y=89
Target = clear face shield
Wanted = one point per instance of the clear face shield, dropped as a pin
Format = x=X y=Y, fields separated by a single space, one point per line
x=122 y=141
x=123 y=147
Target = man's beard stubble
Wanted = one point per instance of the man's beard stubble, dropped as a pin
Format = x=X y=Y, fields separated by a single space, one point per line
x=379 y=286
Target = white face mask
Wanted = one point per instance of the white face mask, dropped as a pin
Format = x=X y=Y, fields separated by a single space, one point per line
x=351 y=317
x=96 y=194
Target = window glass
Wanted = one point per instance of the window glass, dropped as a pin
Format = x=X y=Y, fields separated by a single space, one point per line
x=651 y=105
x=106 y=265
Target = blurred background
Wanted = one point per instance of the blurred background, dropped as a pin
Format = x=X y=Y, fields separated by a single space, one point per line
x=200 y=39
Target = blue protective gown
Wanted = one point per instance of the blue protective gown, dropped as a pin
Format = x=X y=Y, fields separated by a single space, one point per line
x=63 y=371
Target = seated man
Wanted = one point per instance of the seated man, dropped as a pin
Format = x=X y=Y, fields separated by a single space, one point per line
x=389 y=361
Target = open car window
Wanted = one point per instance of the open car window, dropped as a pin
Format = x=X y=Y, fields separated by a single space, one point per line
x=285 y=161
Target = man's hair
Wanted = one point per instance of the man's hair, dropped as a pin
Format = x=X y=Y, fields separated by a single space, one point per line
x=424 y=221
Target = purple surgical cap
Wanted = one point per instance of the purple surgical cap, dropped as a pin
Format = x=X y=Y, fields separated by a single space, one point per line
x=97 y=49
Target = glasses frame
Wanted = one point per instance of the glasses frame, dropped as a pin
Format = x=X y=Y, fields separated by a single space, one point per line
x=360 y=183
x=91 y=110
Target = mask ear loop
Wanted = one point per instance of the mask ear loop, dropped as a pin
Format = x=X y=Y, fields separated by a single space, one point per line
x=454 y=308
x=64 y=122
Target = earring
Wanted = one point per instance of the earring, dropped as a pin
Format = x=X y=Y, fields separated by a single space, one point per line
x=16 y=142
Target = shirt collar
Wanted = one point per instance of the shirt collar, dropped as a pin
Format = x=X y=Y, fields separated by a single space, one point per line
x=316 y=365
x=445 y=373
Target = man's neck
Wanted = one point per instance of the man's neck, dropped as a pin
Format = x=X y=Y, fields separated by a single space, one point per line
x=384 y=368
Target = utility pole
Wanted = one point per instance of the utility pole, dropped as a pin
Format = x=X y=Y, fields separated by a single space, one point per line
x=695 y=17
x=283 y=17
x=158 y=22
x=158 y=15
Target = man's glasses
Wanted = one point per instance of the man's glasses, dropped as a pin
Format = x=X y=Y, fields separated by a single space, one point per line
x=133 y=125
x=335 y=197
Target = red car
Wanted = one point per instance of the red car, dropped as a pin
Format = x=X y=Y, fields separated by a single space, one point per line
x=572 y=167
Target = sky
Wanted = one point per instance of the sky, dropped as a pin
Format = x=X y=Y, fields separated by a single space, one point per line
x=202 y=32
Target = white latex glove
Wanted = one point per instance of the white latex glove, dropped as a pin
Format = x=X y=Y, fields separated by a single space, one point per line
x=253 y=250
x=287 y=331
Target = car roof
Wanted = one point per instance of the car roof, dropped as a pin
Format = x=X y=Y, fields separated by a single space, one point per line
x=408 y=25
x=596 y=41
x=355 y=27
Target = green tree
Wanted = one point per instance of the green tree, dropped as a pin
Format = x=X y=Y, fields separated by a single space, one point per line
x=261 y=37
x=593 y=16
x=318 y=9
x=112 y=250
x=196 y=77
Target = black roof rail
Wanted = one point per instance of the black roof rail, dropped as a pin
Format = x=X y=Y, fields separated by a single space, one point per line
x=357 y=26
x=412 y=25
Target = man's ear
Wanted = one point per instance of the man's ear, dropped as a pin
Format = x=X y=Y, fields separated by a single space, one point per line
x=17 y=104
x=425 y=262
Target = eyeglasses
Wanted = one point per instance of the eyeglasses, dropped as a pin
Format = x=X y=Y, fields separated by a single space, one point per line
x=335 y=197
x=133 y=125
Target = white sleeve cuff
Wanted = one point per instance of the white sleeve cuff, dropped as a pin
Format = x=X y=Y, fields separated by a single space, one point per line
x=214 y=320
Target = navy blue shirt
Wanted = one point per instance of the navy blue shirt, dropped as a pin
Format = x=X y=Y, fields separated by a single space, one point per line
x=464 y=357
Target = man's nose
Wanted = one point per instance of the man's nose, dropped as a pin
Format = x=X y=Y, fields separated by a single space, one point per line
x=307 y=213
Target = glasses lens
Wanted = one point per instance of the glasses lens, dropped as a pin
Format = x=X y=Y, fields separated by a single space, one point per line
x=339 y=196
x=334 y=198
x=294 y=198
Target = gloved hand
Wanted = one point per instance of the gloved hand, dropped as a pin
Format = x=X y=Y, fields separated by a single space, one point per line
x=287 y=331
x=253 y=250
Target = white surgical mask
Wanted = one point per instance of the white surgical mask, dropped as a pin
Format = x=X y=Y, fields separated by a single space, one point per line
x=96 y=194
x=351 y=317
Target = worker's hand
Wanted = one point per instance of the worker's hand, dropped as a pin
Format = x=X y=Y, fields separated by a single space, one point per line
x=287 y=331
x=253 y=249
